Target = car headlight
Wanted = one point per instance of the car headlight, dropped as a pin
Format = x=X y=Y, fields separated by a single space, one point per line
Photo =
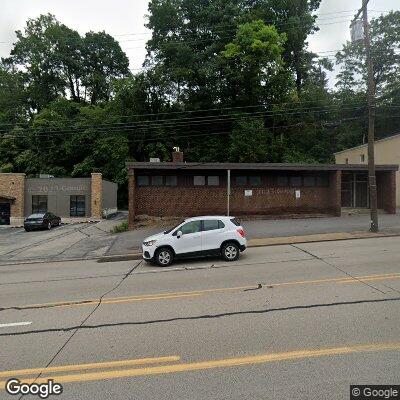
x=150 y=243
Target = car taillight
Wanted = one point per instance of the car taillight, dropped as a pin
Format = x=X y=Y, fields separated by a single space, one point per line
x=241 y=232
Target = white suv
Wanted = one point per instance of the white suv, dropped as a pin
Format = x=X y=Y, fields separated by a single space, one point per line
x=196 y=237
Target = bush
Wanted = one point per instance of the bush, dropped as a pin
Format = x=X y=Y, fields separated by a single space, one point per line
x=122 y=227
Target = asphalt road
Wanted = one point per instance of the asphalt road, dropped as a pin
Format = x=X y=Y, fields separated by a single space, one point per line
x=326 y=316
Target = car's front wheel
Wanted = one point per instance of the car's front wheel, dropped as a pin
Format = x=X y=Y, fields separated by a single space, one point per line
x=164 y=257
x=230 y=251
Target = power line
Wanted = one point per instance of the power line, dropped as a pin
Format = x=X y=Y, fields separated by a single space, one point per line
x=173 y=125
x=208 y=118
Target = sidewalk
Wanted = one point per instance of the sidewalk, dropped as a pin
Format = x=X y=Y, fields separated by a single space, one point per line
x=276 y=231
x=275 y=241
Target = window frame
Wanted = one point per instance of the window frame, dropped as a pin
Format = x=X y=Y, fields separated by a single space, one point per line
x=286 y=177
x=143 y=176
x=157 y=184
x=200 y=176
x=76 y=214
x=38 y=204
x=213 y=176
x=171 y=176
x=252 y=184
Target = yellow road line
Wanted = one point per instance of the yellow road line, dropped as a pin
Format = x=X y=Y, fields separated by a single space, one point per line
x=79 y=367
x=172 y=295
x=117 y=300
x=224 y=363
x=378 y=278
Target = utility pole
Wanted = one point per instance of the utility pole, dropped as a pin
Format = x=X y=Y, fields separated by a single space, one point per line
x=228 y=192
x=371 y=118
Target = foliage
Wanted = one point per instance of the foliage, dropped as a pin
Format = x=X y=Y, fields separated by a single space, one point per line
x=225 y=80
x=122 y=227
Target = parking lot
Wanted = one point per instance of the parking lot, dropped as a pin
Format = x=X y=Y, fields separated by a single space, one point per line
x=72 y=241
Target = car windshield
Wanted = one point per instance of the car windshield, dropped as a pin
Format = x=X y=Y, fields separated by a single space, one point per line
x=33 y=216
x=174 y=227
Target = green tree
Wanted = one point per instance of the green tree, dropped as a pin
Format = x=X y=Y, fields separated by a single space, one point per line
x=250 y=141
x=55 y=61
x=385 y=46
x=103 y=61
x=257 y=51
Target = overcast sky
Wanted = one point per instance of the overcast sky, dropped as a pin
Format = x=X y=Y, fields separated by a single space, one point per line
x=125 y=19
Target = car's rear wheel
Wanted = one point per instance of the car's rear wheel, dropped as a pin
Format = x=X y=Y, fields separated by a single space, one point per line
x=230 y=251
x=164 y=257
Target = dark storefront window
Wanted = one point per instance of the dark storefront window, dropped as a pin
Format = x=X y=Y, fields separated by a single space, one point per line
x=295 y=181
x=213 y=180
x=283 y=181
x=323 y=181
x=241 y=180
x=77 y=206
x=157 y=180
x=310 y=181
x=171 y=180
x=39 y=204
x=255 y=180
x=143 y=180
x=199 y=180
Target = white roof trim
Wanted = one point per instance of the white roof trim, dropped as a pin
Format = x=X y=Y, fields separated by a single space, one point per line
x=361 y=146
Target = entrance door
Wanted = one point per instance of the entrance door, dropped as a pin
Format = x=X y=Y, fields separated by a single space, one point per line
x=355 y=190
x=5 y=211
x=361 y=190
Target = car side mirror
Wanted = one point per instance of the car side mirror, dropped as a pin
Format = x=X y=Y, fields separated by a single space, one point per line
x=179 y=234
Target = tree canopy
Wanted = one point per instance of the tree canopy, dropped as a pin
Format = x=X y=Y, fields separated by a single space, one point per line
x=225 y=80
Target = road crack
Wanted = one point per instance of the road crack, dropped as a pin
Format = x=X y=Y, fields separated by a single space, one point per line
x=81 y=325
x=338 y=268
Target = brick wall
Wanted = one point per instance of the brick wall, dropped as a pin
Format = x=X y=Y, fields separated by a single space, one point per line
x=186 y=201
x=386 y=191
x=96 y=195
x=132 y=199
x=13 y=185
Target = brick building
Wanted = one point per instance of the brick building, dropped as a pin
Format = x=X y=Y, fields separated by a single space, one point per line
x=189 y=189
x=69 y=198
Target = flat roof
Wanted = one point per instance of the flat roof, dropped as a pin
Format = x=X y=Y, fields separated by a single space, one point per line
x=255 y=166
x=362 y=146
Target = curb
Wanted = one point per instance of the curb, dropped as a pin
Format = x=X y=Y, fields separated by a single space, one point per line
x=281 y=241
x=120 y=257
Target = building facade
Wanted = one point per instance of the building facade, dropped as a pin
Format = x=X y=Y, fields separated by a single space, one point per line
x=191 y=189
x=69 y=198
x=387 y=151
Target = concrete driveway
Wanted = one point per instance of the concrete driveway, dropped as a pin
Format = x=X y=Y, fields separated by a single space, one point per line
x=72 y=241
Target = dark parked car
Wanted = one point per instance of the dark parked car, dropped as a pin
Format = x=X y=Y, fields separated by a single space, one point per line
x=41 y=221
